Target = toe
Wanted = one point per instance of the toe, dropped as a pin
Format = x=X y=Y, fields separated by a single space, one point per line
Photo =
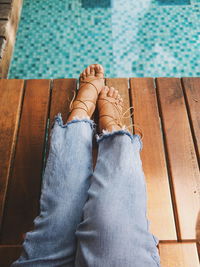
x=115 y=94
x=106 y=88
x=84 y=73
x=104 y=92
x=111 y=91
x=99 y=71
x=88 y=71
x=92 y=70
x=119 y=97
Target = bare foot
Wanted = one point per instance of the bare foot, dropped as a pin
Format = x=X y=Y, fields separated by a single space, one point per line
x=110 y=106
x=85 y=102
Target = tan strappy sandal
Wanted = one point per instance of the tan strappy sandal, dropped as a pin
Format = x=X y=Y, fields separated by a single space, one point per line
x=73 y=105
x=121 y=116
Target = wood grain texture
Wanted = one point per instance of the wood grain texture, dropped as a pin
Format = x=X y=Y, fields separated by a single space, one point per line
x=8 y=254
x=3 y=24
x=10 y=35
x=122 y=85
x=178 y=255
x=11 y=93
x=62 y=93
x=191 y=88
x=146 y=115
x=181 y=155
x=6 y=1
x=22 y=202
x=2 y=46
x=4 y=10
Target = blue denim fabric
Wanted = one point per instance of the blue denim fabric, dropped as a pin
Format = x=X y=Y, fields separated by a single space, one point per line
x=95 y=219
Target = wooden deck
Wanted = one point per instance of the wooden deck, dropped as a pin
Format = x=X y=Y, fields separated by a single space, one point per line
x=168 y=111
x=10 y=11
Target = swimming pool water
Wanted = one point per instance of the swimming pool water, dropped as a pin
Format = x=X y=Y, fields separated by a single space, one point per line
x=143 y=38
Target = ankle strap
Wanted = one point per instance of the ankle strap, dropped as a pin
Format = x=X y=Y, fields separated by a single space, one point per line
x=90 y=82
x=110 y=102
x=119 y=121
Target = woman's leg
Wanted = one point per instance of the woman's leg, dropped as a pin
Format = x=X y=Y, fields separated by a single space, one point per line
x=65 y=184
x=64 y=192
x=114 y=231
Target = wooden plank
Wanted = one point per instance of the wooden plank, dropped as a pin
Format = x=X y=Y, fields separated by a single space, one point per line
x=11 y=93
x=181 y=155
x=4 y=11
x=2 y=46
x=22 y=202
x=191 y=88
x=178 y=255
x=121 y=84
x=3 y=24
x=62 y=94
x=6 y=1
x=146 y=115
x=8 y=254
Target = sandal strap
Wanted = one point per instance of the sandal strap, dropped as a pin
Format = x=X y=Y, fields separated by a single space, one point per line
x=90 y=82
x=110 y=102
x=82 y=101
x=73 y=106
x=137 y=126
x=112 y=120
x=116 y=121
x=81 y=108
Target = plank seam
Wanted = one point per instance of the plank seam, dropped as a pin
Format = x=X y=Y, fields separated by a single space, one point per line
x=13 y=154
x=169 y=174
x=185 y=241
x=10 y=246
x=47 y=133
x=19 y=122
x=190 y=120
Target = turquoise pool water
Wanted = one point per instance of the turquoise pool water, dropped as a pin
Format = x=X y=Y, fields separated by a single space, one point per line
x=143 y=38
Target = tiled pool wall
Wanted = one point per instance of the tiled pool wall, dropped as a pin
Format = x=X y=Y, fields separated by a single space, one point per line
x=142 y=38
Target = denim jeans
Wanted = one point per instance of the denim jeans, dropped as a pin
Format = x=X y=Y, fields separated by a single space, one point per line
x=91 y=218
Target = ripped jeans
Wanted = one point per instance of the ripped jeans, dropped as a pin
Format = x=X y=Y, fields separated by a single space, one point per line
x=91 y=218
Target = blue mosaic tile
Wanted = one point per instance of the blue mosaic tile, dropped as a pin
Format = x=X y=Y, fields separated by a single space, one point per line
x=58 y=38
x=173 y=2
x=95 y=4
